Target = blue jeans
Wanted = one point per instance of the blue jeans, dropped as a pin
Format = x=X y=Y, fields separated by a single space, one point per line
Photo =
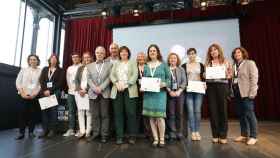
x=194 y=102
x=245 y=110
x=72 y=109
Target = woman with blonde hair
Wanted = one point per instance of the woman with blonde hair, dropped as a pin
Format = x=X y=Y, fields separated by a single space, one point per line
x=176 y=97
x=217 y=93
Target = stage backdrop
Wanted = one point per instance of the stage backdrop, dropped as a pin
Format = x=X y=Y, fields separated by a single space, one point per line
x=170 y=37
x=259 y=26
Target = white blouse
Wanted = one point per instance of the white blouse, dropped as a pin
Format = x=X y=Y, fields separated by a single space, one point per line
x=123 y=73
x=28 y=80
x=70 y=77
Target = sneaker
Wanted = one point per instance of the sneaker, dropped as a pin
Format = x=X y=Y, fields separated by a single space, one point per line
x=240 y=139
x=103 y=140
x=215 y=140
x=119 y=141
x=198 y=137
x=252 y=141
x=80 y=135
x=194 y=138
x=70 y=132
x=87 y=135
x=76 y=134
x=223 y=141
x=131 y=140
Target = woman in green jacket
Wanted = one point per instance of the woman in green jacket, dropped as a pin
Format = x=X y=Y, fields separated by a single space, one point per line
x=124 y=93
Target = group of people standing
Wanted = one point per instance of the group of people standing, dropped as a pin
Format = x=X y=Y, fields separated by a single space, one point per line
x=113 y=84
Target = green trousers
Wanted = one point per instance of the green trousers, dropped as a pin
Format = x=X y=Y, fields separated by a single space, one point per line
x=125 y=110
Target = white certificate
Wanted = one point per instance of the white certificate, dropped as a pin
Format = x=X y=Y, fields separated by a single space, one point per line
x=150 y=84
x=196 y=86
x=82 y=102
x=48 y=102
x=216 y=72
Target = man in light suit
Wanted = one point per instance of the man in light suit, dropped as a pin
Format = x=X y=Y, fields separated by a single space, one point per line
x=99 y=94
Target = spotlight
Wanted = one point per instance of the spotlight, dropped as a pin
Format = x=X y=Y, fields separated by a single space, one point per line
x=244 y=2
x=136 y=12
x=203 y=4
x=104 y=13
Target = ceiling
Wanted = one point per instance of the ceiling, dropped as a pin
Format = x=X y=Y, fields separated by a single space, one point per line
x=79 y=8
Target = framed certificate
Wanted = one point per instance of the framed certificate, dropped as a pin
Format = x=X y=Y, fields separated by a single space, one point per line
x=48 y=102
x=150 y=84
x=196 y=87
x=216 y=72
x=82 y=102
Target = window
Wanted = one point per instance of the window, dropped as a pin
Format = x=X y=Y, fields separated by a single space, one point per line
x=23 y=24
x=9 y=15
x=45 y=40
x=62 y=39
x=27 y=39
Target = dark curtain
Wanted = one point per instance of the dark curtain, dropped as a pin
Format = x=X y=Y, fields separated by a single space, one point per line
x=259 y=33
x=85 y=35
x=261 y=36
x=10 y=102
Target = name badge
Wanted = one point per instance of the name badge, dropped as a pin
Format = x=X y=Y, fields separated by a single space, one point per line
x=174 y=86
x=49 y=85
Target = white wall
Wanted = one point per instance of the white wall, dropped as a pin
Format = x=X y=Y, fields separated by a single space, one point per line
x=199 y=35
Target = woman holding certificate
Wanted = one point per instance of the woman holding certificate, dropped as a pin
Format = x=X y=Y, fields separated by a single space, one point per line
x=124 y=93
x=245 y=86
x=27 y=84
x=176 y=97
x=218 y=72
x=52 y=82
x=195 y=92
x=154 y=103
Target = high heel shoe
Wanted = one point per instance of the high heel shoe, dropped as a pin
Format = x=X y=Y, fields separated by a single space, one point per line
x=155 y=143
x=161 y=143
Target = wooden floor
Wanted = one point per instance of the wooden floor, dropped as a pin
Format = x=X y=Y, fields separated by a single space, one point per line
x=59 y=147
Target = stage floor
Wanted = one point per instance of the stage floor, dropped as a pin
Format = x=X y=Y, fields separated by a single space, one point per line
x=268 y=146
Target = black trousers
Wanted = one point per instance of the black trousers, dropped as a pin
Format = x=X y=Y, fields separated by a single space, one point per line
x=27 y=114
x=217 y=94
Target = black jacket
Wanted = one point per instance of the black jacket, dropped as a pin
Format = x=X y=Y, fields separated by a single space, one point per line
x=57 y=80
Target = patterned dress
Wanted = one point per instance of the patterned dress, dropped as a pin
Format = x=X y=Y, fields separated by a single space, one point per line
x=154 y=103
